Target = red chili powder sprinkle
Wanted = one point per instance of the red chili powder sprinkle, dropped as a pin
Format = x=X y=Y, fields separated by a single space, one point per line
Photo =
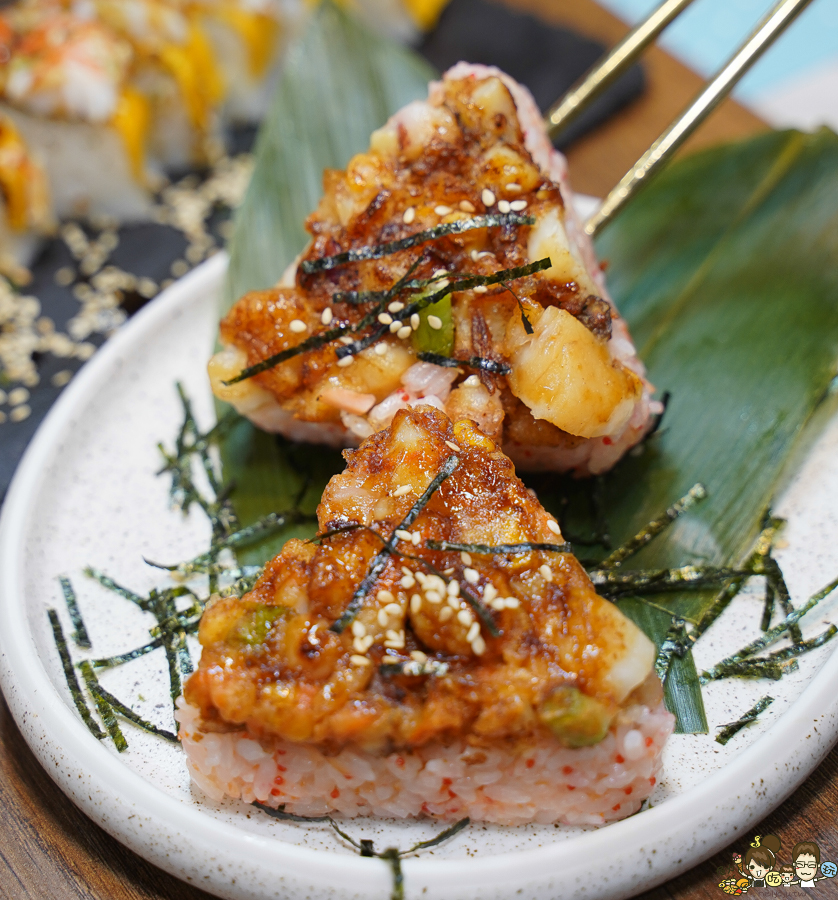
x=335 y=794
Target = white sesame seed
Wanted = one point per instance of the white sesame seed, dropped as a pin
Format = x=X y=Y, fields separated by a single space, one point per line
x=473 y=632
x=359 y=644
x=443 y=210
x=392 y=635
x=453 y=602
x=385 y=318
x=298 y=326
x=453 y=589
x=403 y=535
x=478 y=645
x=443 y=283
x=368 y=642
x=489 y=592
x=546 y=572
x=422 y=578
x=481 y=289
x=416 y=538
x=452 y=445
x=415 y=321
x=415 y=603
x=358 y=629
x=437 y=583
x=512 y=603
x=438 y=272
x=445 y=613
x=393 y=609
x=384 y=596
x=404 y=332
x=396 y=306
x=409 y=215
x=382 y=617
x=487 y=197
x=17 y=396
x=449 y=571
x=553 y=525
x=407 y=581
x=466 y=558
x=358 y=660
x=401 y=491
x=405 y=570
x=347 y=339
x=518 y=205
x=472 y=381
x=464 y=617
x=472 y=576
x=433 y=596
x=497 y=603
x=326 y=316
x=513 y=187
x=467 y=206
x=435 y=322
x=395 y=326
x=380 y=349
x=503 y=206
x=418 y=655
x=345 y=361
x=19 y=413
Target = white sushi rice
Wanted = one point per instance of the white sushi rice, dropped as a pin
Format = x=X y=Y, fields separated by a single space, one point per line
x=545 y=783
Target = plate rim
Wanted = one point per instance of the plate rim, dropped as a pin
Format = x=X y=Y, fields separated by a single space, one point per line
x=625 y=864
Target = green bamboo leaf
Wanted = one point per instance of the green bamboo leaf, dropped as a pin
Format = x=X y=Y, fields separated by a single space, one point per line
x=339 y=84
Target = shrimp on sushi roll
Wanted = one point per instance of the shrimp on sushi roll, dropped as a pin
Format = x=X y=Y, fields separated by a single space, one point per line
x=388 y=670
x=461 y=191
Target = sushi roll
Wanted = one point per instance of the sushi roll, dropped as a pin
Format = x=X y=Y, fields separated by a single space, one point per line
x=532 y=348
x=25 y=209
x=113 y=93
x=385 y=670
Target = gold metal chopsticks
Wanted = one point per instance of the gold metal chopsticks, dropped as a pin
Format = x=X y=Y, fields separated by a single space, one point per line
x=611 y=66
x=704 y=103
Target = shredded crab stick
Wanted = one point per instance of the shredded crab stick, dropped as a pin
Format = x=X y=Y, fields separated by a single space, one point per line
x=461 y=191
x=387 y=670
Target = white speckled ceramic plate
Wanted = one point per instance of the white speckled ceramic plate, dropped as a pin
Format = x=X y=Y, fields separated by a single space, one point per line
x=86 y=494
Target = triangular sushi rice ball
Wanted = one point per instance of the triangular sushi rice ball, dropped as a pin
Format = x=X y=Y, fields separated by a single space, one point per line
x=388 y=669
x=462 y=191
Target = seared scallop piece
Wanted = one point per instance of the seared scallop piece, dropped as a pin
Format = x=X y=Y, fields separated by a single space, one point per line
x=439 y=619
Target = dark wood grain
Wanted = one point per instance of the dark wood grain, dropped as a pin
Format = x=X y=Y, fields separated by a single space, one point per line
x=50 y=850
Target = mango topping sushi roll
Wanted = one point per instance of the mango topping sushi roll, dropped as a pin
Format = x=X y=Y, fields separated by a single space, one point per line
x=112 y=93
x=461 y=191
x=386 y=670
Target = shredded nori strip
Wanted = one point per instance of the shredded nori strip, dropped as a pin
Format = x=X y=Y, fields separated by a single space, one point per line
x=376 y=251
x=768 y=608
x=716 y=608
x=413 y=668
x=675 y=643
x=755 y=667
x=104 y=707
x=129 y=715
x=326 y=337
x=280 y=813
x=728 y=731
x=798 y=648
x=654 y=528
x=613 y=584
x=488 y=549
x=111 y=585
x=774 y=634
x=80 y=633
x=473 y=362
x=70 y=676
x=456 y=828
x=380 y=559
x=110 y=662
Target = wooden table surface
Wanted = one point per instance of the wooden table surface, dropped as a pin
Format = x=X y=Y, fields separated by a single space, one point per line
x=48 y=849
